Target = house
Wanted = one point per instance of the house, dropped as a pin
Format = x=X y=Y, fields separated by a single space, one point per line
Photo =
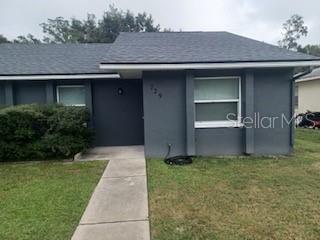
x=308 y=92
x=202 y=93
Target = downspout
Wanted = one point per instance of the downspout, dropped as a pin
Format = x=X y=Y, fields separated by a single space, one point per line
x=301 y=74
x=295 y=77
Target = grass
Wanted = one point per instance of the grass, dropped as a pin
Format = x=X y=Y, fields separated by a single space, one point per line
x=45 y=200
x=239 y=198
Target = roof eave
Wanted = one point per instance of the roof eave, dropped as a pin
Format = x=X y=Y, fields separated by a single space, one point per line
x=59 y=76
x=308 y=79
x=226 y=65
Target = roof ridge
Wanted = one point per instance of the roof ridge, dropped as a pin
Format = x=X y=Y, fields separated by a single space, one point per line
x=51 y=44
x=271 y=45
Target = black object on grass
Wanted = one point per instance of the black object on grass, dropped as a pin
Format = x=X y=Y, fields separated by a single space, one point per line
x=177 y=160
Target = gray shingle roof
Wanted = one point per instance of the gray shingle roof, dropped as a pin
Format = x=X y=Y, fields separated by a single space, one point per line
x=315 y=73
x=195 y=47
x=25 y=59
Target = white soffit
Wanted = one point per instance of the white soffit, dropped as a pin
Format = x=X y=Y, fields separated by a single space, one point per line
x=185 y=66
x=59 y=77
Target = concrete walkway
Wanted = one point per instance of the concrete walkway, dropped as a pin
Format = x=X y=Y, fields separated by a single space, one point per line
x=118 y=208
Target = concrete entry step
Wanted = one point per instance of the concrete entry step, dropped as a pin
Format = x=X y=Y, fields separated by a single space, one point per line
x=126 y=167
x=113 y=153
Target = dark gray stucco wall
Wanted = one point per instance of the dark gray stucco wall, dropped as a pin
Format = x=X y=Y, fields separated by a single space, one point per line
x=2 y=95
x=272 y=98
x=29 y=92
x=164 y=112
x=8 y=92
x=168 y=118
x=248 y=99
x=190 y=115
x=219 y=141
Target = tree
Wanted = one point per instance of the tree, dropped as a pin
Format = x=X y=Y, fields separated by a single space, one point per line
x=114 y=21
x=91 y=30
x=27 y=39
x=168 y=30
x=310 y=49
x=294 y=28
x=3 y=39
x=60 y=30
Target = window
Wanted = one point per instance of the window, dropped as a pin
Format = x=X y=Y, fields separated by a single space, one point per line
x=71 y=95
x=217 y=102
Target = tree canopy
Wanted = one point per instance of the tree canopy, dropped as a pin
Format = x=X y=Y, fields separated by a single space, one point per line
x=26 y=39
x=310 y=49
x=91 y=29
x=3 y=39
x=294 y=28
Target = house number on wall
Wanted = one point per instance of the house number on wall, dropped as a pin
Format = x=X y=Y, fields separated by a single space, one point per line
x=155 y=91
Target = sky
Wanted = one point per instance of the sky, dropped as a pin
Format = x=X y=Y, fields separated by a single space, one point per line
x=261 y=20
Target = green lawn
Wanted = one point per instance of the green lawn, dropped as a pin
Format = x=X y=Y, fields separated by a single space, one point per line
x=239 y=198
x=44 y=201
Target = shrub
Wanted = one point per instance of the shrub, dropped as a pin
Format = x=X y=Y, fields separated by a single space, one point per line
x=29 y=132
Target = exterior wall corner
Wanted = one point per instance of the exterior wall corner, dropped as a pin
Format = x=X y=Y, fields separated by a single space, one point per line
x=249 y=110
x=190 y=115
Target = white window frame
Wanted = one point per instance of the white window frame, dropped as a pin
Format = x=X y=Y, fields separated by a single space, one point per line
x=69 y=86
x=219 y=124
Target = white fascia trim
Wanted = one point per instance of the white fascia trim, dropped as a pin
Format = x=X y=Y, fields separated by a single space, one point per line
x=308 y=79
x=59 y=77
x=183 y=66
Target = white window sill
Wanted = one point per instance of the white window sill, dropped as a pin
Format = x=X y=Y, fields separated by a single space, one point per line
x=218 y=124
x=74 y=105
